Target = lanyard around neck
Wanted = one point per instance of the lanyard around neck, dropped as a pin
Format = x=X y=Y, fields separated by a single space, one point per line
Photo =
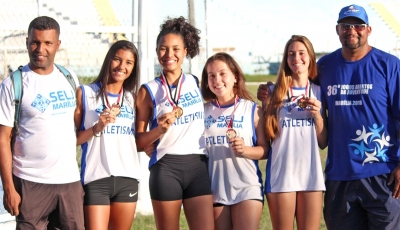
x=172 y=100
x=107 y=104
x=233 y=112
x=293 y=98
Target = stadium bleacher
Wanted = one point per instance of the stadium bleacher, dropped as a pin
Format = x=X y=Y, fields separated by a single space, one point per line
x=81 y=51
x=387 y=13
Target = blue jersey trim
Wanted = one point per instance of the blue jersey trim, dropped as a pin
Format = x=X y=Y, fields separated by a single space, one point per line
x=268 y=173
x=258 y=171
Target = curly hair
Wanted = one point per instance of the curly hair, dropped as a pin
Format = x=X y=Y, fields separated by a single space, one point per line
x=239 y=88
x=130 y=84
x=189 y=34
x=283 y=82
x=44 y=23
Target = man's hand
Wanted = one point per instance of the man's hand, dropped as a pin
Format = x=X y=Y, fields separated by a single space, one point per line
x=264 y=91
x=12 y=201
x=395 y=176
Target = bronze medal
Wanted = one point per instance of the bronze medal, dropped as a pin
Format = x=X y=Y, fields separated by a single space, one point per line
x=115 y=109
x=302 y=103
x=178 y=111
x=230 y=133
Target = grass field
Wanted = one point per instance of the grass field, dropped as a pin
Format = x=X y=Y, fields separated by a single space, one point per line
x=148 y=223
x=249 y=78
x=260 y=78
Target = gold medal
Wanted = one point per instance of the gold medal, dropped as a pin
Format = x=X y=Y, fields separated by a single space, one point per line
x=178 y=111
x=230 y=133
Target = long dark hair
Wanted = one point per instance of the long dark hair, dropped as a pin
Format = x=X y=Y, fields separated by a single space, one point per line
x=130 y=84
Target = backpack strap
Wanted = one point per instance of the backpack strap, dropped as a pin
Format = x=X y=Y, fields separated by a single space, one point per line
x=16 y=78
x=67 y=75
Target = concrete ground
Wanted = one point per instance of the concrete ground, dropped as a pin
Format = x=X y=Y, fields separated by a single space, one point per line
x=10 y=225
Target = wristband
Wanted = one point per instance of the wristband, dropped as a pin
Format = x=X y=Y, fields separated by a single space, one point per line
x=94 y=134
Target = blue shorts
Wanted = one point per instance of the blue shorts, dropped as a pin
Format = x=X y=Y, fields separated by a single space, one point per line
x=111 y=189
x=361 y=204
x=177 y=177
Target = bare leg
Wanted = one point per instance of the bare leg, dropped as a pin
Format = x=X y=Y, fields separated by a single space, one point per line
x=282 y=208
x=122 y=215
x=199 y=212
x=222 y=218
x=308 y=210
x=167 y=213
x=96 y=217
x=246 y=215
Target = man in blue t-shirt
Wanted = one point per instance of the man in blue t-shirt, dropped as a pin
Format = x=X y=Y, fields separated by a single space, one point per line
x=361 y=90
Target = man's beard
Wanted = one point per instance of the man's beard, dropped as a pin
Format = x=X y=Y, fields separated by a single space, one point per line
x=352 y=46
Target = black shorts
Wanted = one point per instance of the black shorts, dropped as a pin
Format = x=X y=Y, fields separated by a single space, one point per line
x=177 y=177
x=111 y=189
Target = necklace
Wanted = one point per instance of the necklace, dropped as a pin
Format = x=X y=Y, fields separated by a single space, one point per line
x=174 y=101
x=230 y=132
x=115 y=108
x=301 y=99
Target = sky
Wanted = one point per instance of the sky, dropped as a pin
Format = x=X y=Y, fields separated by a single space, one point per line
x=262 y=27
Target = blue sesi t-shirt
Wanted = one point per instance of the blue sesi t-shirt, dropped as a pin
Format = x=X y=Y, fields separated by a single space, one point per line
x=363 y=102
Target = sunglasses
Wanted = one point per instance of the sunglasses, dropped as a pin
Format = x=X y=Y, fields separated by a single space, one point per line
x=357 y=27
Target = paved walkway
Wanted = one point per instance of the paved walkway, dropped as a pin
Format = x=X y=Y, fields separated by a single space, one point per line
x=7 y=225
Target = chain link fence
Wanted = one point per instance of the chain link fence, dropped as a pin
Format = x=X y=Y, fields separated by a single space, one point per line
x=88 y=28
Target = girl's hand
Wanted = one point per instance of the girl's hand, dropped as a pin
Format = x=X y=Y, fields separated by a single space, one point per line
x=237 y=145
x=149 y=149
x=165 y=121
x=105 y=118
x=314 y=106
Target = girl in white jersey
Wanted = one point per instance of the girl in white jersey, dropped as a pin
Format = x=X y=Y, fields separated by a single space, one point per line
x=173 y=105
x=235 y=140
x=105 y=119
x=294 y=182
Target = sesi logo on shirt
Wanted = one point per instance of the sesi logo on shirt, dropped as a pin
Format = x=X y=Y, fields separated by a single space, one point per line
x=59 y=100
x=62 y=99
x=40 y=103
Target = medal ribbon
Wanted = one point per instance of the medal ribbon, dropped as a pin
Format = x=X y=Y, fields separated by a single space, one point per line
x=172 y=100
x=293 y=98
x=121 y=92
x=234 y=109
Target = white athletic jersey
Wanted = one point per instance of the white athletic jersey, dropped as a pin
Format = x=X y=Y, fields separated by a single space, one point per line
x=45 y=150
x=294 y=161
x=185 y=136
x=114 y=153
x=233 y=178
